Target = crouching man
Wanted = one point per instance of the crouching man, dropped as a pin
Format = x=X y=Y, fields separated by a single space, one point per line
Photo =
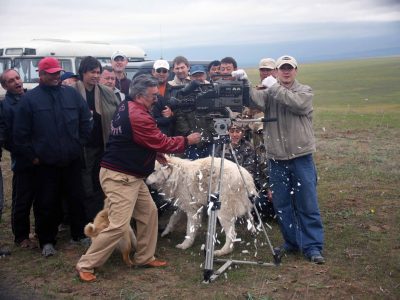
x=134 y=145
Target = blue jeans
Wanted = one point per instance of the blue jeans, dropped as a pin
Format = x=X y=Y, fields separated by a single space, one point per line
x=294 y=195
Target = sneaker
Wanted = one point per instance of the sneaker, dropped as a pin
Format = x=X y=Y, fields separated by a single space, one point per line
x=48 y=250
x=317 y=259
x=4 y=251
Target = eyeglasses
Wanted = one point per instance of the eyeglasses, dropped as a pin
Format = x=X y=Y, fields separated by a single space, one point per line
x=161 y=70
x=119 y=58
x=150 y=96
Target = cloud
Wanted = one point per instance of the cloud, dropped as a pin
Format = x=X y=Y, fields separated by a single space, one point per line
x=191 y=23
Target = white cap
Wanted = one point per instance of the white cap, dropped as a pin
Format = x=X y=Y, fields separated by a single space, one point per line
x=267 y=63
x=118 y=53
x=160 y=63
x=286 y=59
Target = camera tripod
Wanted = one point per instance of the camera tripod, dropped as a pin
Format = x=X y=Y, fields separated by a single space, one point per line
x=214 y=204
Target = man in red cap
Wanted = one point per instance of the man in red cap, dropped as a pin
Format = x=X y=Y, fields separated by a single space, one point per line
x=51 y=125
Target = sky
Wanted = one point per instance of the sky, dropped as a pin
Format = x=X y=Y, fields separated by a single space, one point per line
x=206 y=29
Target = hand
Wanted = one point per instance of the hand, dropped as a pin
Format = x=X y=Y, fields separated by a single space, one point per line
x=194 y=138
x=161 y=158
x=36 y=161
x=239 y=74
x=167 y=112
x=269 y=81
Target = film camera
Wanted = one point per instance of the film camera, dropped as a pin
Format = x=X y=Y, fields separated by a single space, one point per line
x=211 y=99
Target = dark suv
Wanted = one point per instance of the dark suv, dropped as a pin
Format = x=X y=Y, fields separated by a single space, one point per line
x=142 y=67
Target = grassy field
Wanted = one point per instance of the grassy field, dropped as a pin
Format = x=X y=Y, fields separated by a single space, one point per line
x=357 y=125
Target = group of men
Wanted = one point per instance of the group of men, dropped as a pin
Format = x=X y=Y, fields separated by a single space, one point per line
x=92 y=140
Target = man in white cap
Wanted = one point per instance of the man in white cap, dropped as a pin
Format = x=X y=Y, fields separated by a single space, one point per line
x=290 y=143
x=118 y=63
x=267 y=68
x=162 y=113
x=161 y=72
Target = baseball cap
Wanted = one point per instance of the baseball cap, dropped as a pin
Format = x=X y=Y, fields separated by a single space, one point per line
x=118 y=53
x=286 y=59
x=197 y=69
x=67 y=75
x=49 y=65
x=267 y=63
x=160 y=63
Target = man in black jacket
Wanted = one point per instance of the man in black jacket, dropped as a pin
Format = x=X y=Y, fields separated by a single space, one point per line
x=50 y=127
x=23 y=170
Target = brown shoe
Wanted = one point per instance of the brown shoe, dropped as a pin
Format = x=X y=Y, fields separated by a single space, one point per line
x=157 y=263
x=86 y=276
x=28 y=244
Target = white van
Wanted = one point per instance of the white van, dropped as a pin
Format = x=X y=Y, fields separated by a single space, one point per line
x=24 y=57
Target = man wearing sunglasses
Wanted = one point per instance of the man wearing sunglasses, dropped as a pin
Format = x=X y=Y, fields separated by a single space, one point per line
x=290 y=143
x=162 y=113
x=118 y=63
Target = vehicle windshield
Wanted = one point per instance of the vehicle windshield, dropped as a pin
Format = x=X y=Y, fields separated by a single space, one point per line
x=5 y=63
x=27 y=67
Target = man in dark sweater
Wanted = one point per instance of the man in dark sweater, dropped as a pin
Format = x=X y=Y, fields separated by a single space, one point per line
x=50 y=127
x=134 y=145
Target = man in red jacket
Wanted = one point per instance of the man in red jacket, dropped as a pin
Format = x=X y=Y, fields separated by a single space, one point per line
x=135 y=143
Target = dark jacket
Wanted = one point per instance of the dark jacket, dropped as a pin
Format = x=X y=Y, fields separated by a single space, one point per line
x=165 y=124
x=123 y=85
x=10 y=105
x=135 y=140
x=2 y=129
x=52 y=123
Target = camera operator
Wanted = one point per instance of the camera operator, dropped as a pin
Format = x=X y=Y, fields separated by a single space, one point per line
x=228 y=65
x=290 y=144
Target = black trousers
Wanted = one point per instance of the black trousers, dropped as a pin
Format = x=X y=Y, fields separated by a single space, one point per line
x=23 y=194
x=51 y=181
x=94 y=196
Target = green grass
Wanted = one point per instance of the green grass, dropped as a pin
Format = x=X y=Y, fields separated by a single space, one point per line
x=356 y=121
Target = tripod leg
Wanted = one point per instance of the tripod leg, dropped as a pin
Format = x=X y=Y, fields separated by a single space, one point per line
x=212 y=219
x=214 y=205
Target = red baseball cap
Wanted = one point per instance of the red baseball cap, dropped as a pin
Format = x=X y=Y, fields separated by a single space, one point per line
x=49 y=65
